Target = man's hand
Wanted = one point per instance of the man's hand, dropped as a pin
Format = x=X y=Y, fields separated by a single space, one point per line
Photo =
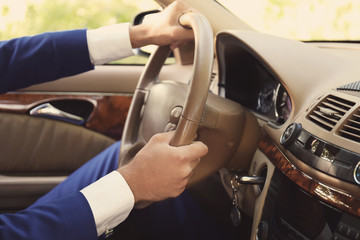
x=162 y=28
x=160 y=171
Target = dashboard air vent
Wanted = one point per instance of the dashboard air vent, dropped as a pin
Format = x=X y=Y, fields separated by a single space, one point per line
x=329 y=111
x=351 y=129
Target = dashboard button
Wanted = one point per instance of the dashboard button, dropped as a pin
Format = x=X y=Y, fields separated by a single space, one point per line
x=357 y=173
x=175 y=114
x=290 y=134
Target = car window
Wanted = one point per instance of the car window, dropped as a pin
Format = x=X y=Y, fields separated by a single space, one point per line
x=29 y=17
x=301 y=19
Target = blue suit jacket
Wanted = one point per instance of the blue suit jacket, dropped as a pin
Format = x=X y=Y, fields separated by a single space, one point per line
x=23 y=62
x=45 y=57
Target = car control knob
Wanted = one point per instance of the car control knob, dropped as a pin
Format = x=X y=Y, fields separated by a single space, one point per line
x=290 y=134
x=357 y=173
x=175 y=114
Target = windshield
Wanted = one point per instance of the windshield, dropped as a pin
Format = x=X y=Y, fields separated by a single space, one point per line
x=306 y=20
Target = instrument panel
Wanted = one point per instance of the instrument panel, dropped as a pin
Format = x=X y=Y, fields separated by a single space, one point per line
x=247 y=80
x=274 y=103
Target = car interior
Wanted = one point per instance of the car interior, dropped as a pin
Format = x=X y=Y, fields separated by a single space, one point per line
x=281 y=119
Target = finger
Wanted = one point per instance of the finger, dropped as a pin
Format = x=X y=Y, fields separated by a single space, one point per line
x=163 y=137
x=184 y=21
x=193 y=151
x=199 y=147
x=194 y=163
x=175 y=45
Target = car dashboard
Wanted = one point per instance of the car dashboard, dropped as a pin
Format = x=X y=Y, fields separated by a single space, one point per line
x=306 y=99
x=254 y=86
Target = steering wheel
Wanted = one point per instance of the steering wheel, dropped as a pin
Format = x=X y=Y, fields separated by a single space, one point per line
x=168 y=105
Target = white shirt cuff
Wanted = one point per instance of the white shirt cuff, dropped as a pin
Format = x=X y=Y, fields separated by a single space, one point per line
x=109 y=43
x=110 y=199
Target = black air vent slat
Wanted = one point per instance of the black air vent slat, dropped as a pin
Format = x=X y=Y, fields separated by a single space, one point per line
x=330 y=111
x=354 y=123
x=334 y=107
x=342 y=104
x=350 y=135
x=357 y=116
x=351 y=129
x=326 y=118
x=321 y=123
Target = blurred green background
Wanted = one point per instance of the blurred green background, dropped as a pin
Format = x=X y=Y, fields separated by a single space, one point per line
x=24 y=17
x=29 y=17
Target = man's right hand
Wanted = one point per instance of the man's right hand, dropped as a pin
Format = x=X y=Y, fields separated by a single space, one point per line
x=160 y=171
x=163 y=28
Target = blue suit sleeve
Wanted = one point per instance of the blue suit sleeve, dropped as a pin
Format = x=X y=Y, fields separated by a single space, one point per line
x=45 y=57
x=68 y=218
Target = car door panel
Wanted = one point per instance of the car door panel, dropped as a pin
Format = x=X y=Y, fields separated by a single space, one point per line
x=45 y=147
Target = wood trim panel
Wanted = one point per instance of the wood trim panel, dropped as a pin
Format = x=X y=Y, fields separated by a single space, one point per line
x=327 y=194
x=108 y=116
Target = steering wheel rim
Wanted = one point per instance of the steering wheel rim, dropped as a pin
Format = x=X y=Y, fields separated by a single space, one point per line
x=196 y=96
